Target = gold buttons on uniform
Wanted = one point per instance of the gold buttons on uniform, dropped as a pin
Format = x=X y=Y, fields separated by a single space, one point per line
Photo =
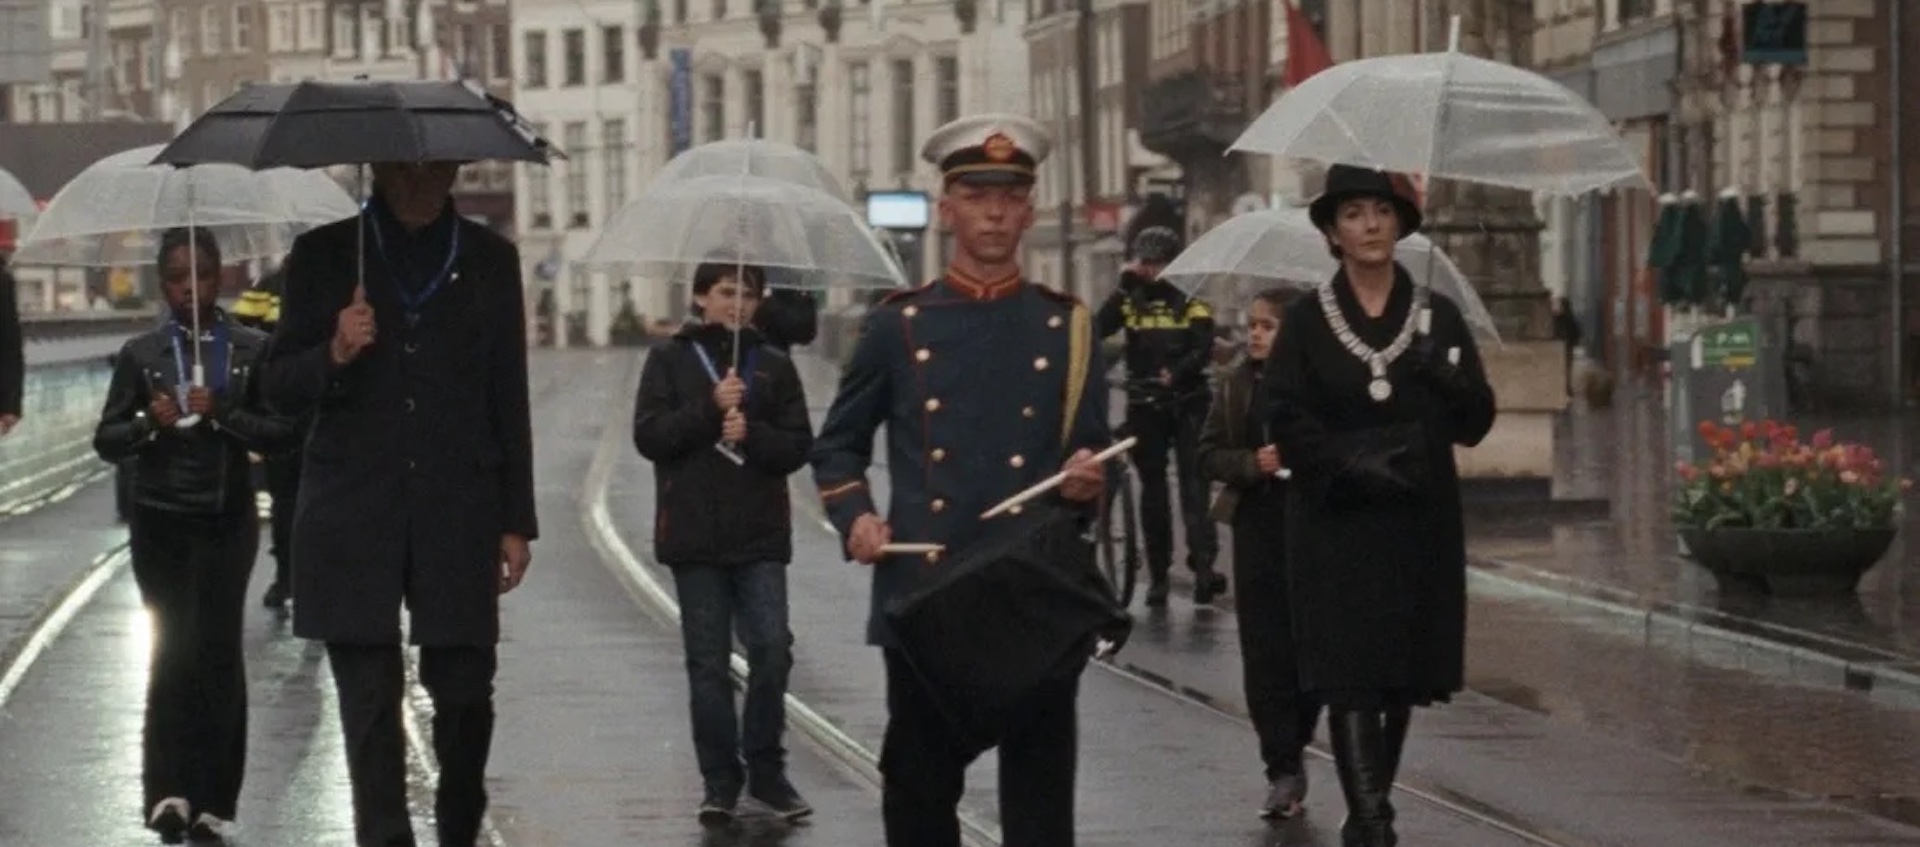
x=1017 y=461
x=938 y=505
x=1054 y=322
x=910 y=311
x=939 y=455
x=922 y=354
x=1040 y=364
x=1027 y=412
x=933 y=404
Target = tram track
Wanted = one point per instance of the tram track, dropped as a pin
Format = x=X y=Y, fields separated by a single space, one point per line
x=21 y=653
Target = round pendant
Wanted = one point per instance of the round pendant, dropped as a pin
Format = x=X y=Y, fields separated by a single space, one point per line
x=1380 y=389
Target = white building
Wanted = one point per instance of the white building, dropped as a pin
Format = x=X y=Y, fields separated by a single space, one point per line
x=862 y=95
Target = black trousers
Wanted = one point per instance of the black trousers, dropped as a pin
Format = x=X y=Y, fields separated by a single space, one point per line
x=371 y=682
x=192 y=570
x=1162 y=431
x=924 y=766
x=283 y=485
x=1283 y=715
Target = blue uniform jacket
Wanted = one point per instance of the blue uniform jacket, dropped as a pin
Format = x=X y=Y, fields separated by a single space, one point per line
x=970 y=382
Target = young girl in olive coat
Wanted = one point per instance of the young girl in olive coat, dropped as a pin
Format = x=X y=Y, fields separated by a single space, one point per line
x=1236 y=450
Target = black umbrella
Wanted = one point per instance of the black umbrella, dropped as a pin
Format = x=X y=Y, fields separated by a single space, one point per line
x=1006 y=615
x=319 y=124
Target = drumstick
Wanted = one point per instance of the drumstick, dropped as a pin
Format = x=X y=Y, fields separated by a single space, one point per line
x=1052 y=482
x=897 y=547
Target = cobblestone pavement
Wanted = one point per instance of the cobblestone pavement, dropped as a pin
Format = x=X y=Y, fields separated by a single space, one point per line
x=1621 y=725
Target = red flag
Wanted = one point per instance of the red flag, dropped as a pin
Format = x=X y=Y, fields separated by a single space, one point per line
x=1306 y=53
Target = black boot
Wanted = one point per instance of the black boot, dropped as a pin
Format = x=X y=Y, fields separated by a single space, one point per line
x=1394 y=724
x=1360 y=755
x=1156 y=586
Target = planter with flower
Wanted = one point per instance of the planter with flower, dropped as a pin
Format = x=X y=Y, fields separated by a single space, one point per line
x=1772 y=513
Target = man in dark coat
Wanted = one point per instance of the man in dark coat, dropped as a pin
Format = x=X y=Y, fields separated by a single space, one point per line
x=417 y=486
x=973 y=377
x=13 y=351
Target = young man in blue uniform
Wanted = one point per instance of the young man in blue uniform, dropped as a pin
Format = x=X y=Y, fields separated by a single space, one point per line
x=975 y=379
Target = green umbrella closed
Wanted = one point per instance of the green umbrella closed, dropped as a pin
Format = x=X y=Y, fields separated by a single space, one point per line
x=1727 y=248
x=1688 y=269
x=1665 y=246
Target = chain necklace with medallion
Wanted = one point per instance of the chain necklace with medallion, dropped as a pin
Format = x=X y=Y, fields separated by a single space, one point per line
x=1379 y=388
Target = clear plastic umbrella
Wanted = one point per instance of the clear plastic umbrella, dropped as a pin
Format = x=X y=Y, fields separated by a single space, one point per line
x=1257 y=250
x=748 y=220
x=1449 y=116
x=113 y=213
x=752 y=157
x=16 y=202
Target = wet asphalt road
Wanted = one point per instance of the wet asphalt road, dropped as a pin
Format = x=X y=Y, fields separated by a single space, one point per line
x=592 y=746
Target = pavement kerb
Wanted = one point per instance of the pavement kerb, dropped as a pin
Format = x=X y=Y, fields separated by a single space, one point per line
x=627 y=565
x=1711 y=643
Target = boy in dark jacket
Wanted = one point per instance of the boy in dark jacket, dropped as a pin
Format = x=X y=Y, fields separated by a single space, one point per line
x=1236 y=450
x=724 y=420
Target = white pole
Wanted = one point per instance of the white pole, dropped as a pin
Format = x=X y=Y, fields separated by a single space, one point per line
x=1453 y=34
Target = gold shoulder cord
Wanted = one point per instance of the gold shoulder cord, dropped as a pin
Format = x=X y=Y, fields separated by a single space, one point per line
x=1079 y=359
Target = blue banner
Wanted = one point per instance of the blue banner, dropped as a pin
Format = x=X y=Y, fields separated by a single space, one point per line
x=680 y=100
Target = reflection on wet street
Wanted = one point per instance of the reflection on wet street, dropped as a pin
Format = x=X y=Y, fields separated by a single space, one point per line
x=1579 y=730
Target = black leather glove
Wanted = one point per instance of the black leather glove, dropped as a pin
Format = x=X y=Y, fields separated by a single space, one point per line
x=1374 y=474
x=1109 y=641
x=1430 y=363
x=1131 y=281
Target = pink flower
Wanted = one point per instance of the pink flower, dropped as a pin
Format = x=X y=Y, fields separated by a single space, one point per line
x=1823 y=439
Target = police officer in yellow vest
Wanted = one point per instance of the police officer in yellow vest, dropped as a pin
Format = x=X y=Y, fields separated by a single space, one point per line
x=259 y=307
x=1169 y=339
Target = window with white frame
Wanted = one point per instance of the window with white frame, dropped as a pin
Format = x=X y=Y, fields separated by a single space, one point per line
x=500 y=41
x=713 y=107
x=313 y=23
x=346 y=32
x=573 y=57
x=183 y=32
x=946 y=78
x=281 y=34
x=212 y=31
x=756 y=101
x=613 y=54
x=574 y=137
x=400 y=35
x=902 y=104
x=860 y=123
x=242 y=28
x=535 y=58
x=613 y=151
x=806 y=114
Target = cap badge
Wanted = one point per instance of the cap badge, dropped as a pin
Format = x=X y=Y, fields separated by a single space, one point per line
x=998 y=147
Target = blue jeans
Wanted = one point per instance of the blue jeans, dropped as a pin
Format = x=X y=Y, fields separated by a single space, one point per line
x=716 y=600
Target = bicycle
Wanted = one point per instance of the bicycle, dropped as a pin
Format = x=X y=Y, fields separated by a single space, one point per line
x=1120 y=544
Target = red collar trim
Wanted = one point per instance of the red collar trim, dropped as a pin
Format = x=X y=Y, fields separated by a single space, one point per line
x=979 y=289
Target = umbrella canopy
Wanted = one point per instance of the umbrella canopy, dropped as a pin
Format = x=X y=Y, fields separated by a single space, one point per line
x=752 y=157
x=1449 y=116
x=1017 y=609
x=748 y=220
x=113 y=213
x=1255 y=250
x=16 y=202
x=316 y=124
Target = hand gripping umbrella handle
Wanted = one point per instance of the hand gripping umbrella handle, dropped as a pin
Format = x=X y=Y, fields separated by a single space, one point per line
x=1052 y=482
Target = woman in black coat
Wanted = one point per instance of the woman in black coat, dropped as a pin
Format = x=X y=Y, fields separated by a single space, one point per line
x=1371 y=385
x=1237 y=450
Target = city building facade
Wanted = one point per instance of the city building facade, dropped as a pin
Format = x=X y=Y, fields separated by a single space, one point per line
x=858 y=84
x=1089 y=214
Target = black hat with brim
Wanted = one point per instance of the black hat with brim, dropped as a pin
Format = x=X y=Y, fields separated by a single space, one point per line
x=1346 y=182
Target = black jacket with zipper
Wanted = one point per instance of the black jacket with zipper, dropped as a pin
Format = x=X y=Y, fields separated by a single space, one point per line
x=708 y=510
x=203 y=469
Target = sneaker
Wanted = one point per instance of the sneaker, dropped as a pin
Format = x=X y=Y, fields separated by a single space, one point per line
x=208 y=828
x=169 y=818
x=718 y=807
x=1284 y=796
x=777 y=794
